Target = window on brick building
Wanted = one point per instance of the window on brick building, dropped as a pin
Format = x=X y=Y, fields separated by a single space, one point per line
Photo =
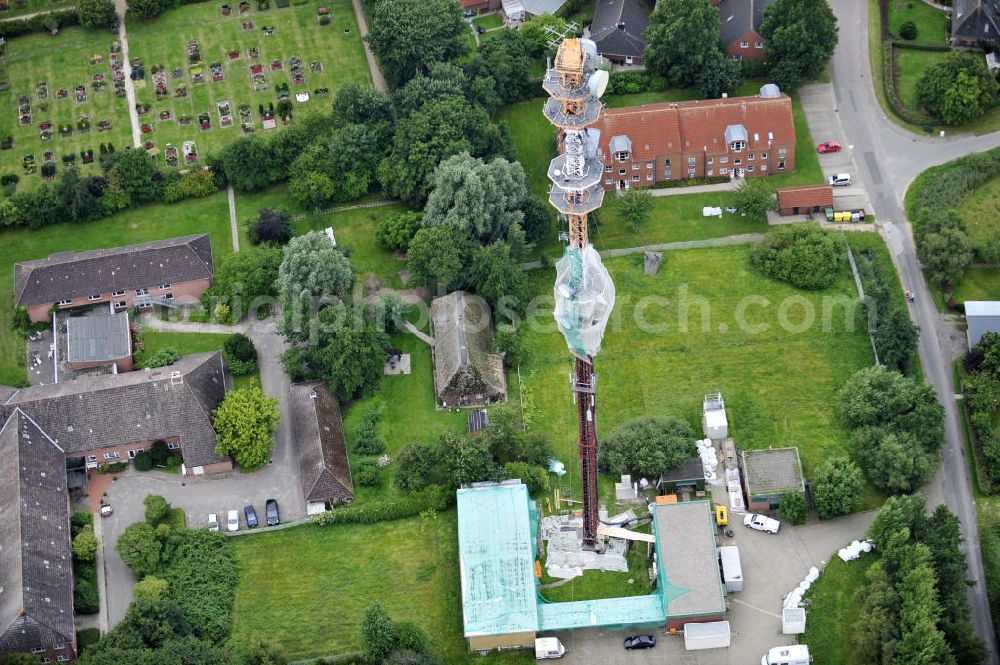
x=763 y=167
x=650 y=165
x=635 y=167
x=621 y=156
x=763 y=155
x=710 y=160
x=710 y=173
x=649 y=177
x=691 y=161
x=96 y=296
x=782 y=153
x=142 y=292
x=750 y=156
x=758 y=44
x=608 y=181
x=737 y=161
x=750 y=169
x=744 y=44
x=607 y=169
x=173 y=445
x=635 y=178
x=64 y=302
x=781 y=165
x=111 y=454
x=737 y=146
x=121 y=304
x=723 y=160
x=723 y=171
x=118 y=293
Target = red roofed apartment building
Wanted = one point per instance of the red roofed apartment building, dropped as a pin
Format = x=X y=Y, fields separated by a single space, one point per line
x=735 y=137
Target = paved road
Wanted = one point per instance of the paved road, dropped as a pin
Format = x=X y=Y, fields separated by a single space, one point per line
x=889 y=158
x=377 y=79
x=121 y=7
x=204 y=495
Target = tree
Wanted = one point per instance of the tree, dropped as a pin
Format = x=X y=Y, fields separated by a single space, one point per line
x=483 y=200
x=78 y=196
x=149 y=587
x=507 y=341
x=958 y=89
x=96 y=13
x=439 y=255
x=270 y=226
x=146 y=9
x=754 y=198
x=441 y=81
x=136 y=174
x=635 y=207
x=682 y=39
x=505 y=62
x=244 y=425
x=536 y=32
x=496 y=276
x=241 y=279
x=535 y=478
x=908 y=31
x=895 y=462
x=390 y=313
x=258 y=652
x=397 y=230
x=240 y=355
x=647 y=447
x=336 y=168
x=895 y=339
x=804 y=255
x=410 y=35
x=508 y=441
x=793 y=508
x=836 y=487
x=945 y=256
x=719 y=75
x=537 y=219
x=157 y=509
x=799 y=38
x=921 y=643
x=413 y=466
x=361 y=105
x=85 y=545
x=464 y=460
x=86 y=597
x=347 y=351
x=312 y=273
x=139 y=549
x=379 y=635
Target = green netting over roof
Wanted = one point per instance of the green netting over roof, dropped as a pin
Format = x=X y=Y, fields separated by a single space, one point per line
x=687 y=564
x=496 y=546
x=604 y=613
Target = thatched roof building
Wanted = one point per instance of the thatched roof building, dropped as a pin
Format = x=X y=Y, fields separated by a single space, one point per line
x=466 y=370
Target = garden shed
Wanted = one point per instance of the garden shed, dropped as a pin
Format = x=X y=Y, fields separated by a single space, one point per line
x=800 y=200
x=982 y=316
x=768 y=475
x=689 y=476
x=466 y=370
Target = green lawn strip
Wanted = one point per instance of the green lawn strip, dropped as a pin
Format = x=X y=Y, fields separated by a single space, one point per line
x=207 y=215
x=912 y=65
x=407 y=404
x=488 y=22
x=314 y=608
x=834 y=610
x=188 y=343
x=978 y=284
x=164 y=42
x=778 y=384
x=932 y=24
x=61 y=62
x=981 y=212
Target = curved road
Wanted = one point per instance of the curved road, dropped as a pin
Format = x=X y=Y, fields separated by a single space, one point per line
x=889 y=158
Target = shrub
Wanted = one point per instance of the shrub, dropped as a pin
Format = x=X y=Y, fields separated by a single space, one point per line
x=397 y=230
x=143 y=461
x=202 y=571
x=836 y=487
x=149 y=587
x=908 y=31
x=162 y=358
x=803 y=255
x=190 y=185
x=85 y=545
x=367 y=474
x=534 y=477
x=159 y=452
x=270 y=226
x=414 y=465
x=80 y=520
x=366 y=438
x=240 y=354
x=86 y=599
x=793 y=508
x=386 y=510
x=157 y=508
x=647 y=446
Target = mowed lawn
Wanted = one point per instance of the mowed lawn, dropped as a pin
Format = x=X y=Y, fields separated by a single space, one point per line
x=912 y=64
x=60 y=62
x=188 y=343
x=155 y=222
x=979 y=284
x=306 y=588
x=834 y=611
x=779 y=384
x=337 y=47
x=932 y=24
x=981 y=212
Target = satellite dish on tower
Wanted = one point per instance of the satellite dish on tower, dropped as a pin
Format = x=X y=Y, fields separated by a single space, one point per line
x=598 y=83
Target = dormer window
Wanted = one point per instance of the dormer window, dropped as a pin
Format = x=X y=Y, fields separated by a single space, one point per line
x=737 y=146
x=621 y=156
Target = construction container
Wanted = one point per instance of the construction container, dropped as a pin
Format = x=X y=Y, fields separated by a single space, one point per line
x=721 y=515
x=732 y=570
x=712 y=635
x=793 y=621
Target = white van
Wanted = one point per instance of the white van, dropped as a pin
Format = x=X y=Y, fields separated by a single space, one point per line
x=796 y=654
x=548 y=647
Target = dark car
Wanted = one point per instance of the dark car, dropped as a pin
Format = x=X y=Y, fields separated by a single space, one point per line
x=640 y=642
x=251 y=516
x=271 y=511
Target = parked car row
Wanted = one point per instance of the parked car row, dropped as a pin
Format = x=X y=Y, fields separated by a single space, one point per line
x=271 y=517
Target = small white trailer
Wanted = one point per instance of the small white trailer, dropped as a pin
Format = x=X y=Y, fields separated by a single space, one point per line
x=548 y=647
x=732 y=570
x=713 y=635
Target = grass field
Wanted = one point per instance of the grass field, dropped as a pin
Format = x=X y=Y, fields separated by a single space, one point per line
x=488 y=22
x=188 y=343
x=164 y=42
x=978 y=284
x=834 y=611
x=912 y=65
x=61 y=62
x=932 y=24
x=13 y=10
x=315 y=609
x=981 y=212
x=778 y=384
x=154 y=222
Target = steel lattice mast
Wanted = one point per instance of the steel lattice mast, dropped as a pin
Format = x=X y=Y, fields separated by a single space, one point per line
x=584 y=291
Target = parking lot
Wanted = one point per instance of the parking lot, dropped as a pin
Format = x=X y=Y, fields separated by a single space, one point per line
x=772 y=566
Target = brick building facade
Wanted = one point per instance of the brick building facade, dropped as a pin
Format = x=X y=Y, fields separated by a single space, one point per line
x=730 y=137
x=740 y=28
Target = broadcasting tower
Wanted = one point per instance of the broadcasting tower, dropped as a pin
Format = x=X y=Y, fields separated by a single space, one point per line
x=584 y=292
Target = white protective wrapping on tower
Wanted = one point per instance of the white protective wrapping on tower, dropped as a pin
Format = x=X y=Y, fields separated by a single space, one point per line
x=585 y=296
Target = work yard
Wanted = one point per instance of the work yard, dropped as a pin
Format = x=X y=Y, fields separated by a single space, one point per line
x=314 y=609
x=779 y=383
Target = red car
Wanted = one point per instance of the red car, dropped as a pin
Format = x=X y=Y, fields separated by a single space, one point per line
x=829 y=146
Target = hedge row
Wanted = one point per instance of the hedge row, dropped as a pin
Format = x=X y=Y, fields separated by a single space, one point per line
x=944 y=187
x=920 y=46
x=387 y=510
x=892 y=94
x=39 y=23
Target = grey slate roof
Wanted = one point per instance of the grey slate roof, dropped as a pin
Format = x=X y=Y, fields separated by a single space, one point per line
x=319 y=444
x=98 y=338
x=976 y=19
x=69 y=275
x=116 y=409
x=618 y=27
x=772 y=471
x=464 y=362
x=741 y=17
x=36 y=567
x=689 y=469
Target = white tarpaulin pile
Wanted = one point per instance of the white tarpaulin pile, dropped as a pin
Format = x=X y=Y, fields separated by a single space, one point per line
x=565 y=557
x=794 y=597
x=709 y=459
x=709 y=211
x=854 y=550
